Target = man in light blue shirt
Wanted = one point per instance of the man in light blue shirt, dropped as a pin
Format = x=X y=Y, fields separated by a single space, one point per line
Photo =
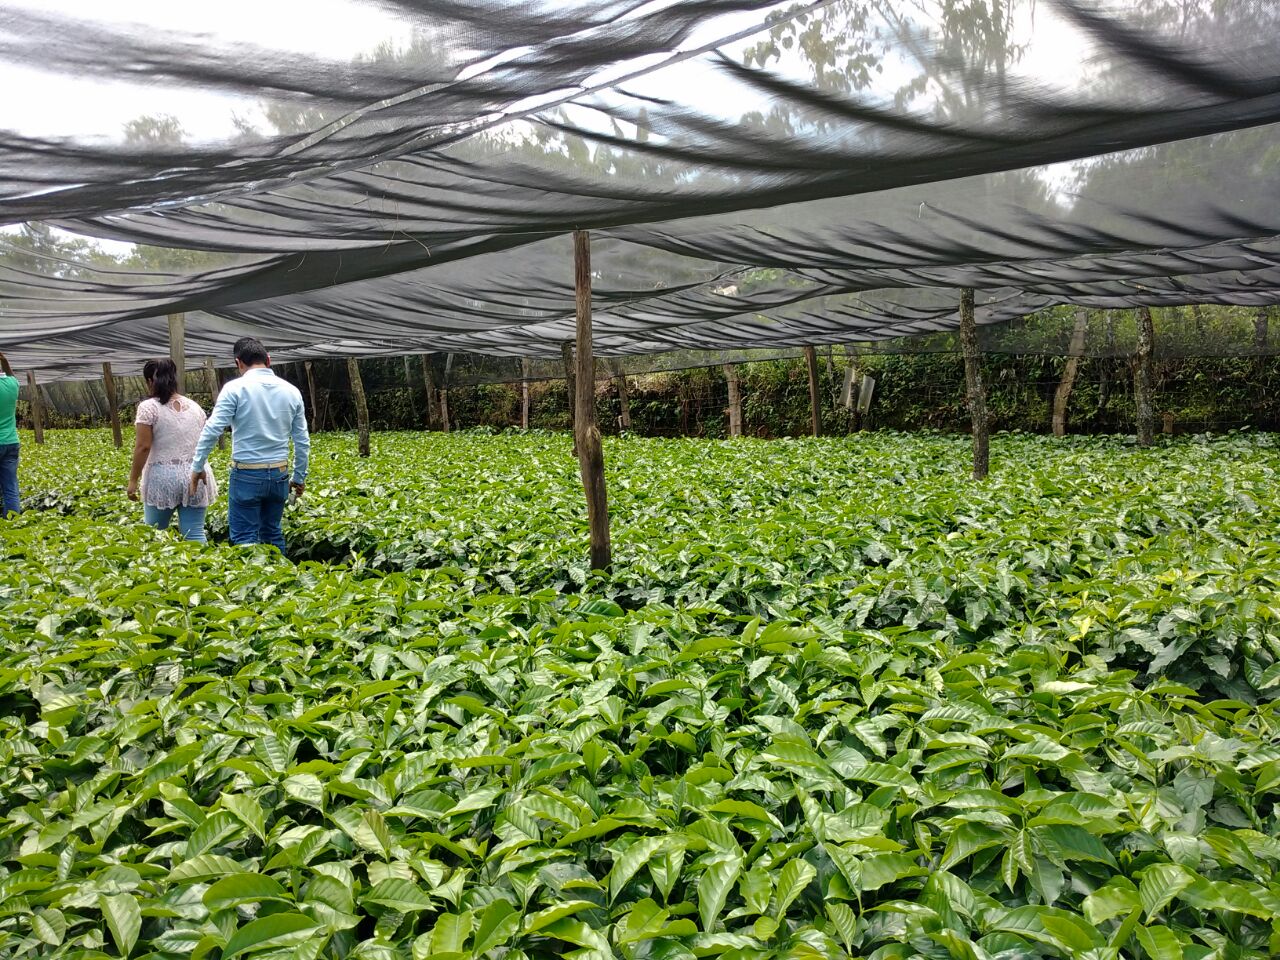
x=264 y=412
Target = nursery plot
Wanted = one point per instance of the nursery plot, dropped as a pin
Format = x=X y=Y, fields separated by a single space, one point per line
x=835 y=701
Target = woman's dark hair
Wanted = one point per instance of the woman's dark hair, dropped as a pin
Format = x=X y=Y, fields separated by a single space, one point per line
x=249 y=350
x=163 y=377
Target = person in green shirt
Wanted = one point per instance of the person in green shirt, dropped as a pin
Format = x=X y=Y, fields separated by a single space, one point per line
x=9 y=502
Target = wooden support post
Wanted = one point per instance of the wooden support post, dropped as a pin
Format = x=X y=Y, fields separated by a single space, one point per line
x=975 y=392
x=429 y=391
x=524 y=393
x=735 y=399
x=1144 y=405
x=311 y=392
x=1075 y=350
x=178 y=347
x=37 y=408
x=362 y=408
x=815 y=407
x=113 y=408
x=586 y=432
x=624 y=399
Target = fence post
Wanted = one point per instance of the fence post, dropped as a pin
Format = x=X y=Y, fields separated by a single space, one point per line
x=735 y=399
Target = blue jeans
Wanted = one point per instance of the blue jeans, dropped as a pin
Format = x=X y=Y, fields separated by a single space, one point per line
x=255 y=505
x=9 y=500
x=190 y=520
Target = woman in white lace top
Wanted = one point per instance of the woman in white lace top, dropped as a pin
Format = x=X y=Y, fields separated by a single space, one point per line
x=165 y=433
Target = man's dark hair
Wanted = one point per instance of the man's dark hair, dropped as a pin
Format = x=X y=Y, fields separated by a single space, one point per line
x=249 y=350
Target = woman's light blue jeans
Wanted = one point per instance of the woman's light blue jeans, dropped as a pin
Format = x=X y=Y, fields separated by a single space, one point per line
x=190 y=520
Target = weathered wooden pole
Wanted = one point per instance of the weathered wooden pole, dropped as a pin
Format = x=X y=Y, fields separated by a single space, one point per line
x=1143 y=402
x=429 y=391
x=586 y=432
x=362 y=408
x=408 y=382
x=735 y=399
x=37 y=408
x=1075 y=350
x=311 y=392
x=524 y=393
x=178 y=347
x=815 y=407
x=624 y=399
x=975 y=392
x=113 y=408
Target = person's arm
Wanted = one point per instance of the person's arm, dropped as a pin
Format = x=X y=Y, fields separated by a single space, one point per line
x=301 y=447
x=224 y=412
x=141 y=450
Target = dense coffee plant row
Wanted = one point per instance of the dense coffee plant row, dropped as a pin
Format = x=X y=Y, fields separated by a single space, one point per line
x=835 y=700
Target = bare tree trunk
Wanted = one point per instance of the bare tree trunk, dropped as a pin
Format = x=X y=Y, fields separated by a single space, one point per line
x=735 y=399
x=524 y=393
x=37 y=406
x=586 y=432
x=815 y=406
x=428 y=391
x=178 y=347
x=362 y=408
x=1142 y=398
x=624 y=398
x=113 y=409
x=975 y=391
x=1260 y=331
x=1062 y=396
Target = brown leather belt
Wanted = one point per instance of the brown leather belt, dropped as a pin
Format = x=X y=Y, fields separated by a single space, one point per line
x=237 y=465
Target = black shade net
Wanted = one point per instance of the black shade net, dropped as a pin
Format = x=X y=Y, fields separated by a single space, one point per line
x=755 y=175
